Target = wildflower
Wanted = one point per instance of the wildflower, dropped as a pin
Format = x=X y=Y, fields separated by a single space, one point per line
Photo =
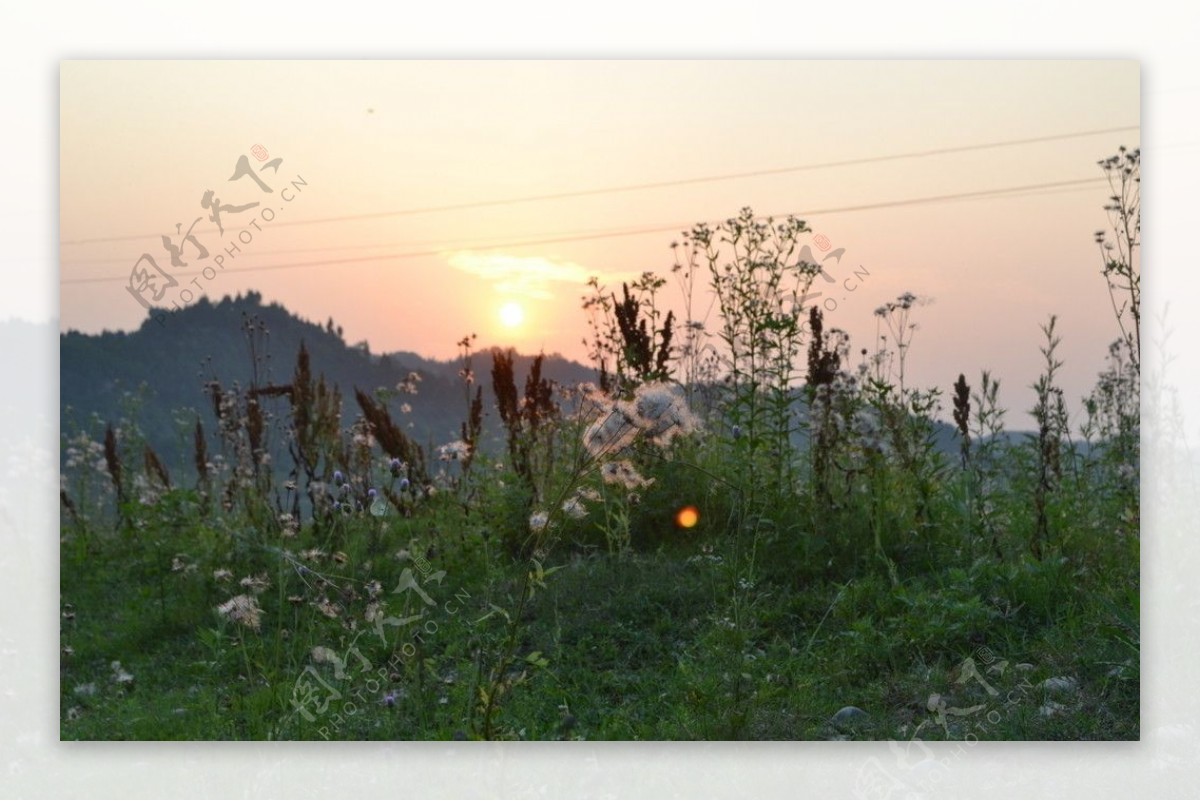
x=538 y=522
x=121 y=675
x=371 y=492
x=409 y=384
x=396 y=466
x=255 y=584
x=242 y=609
x=623 y=472
x=328 y=608
x=403 y=485
x=390 y=699
x=456 y=451
x=338 y=478
x=611 y=433
x=661 y=412
x=221 y=574
x=574 y=509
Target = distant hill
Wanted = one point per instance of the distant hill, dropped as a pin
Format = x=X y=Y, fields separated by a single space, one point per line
x=157 y=375
x=101 y=373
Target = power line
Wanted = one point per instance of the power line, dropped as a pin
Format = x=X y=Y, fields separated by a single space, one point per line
x=442 y=245
x=983 y=193
x=662 y=184
x=456 y=244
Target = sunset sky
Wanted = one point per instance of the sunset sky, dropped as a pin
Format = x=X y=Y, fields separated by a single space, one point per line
x=418 y=207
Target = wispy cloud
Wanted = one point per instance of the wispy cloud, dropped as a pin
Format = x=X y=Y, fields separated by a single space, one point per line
x=529 y=276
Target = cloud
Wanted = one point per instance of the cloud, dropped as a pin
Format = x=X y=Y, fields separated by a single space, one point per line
x=530 y=276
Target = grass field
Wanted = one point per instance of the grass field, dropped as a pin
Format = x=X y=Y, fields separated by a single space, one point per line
x=740 y=534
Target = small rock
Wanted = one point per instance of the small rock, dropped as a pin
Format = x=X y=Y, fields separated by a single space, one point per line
x=850 y=716
x=1060 y=685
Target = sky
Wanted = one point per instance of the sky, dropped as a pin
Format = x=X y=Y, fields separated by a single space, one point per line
x=415 y=202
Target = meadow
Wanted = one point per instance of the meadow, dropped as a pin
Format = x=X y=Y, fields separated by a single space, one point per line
x=743 y=529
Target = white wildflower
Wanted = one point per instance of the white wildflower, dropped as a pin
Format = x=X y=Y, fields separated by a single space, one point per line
x=456 y=451
x=624 y=473
x=611 y=432
x=574 y=509
x=661 y=412
x=242 y=609
x=121 y=675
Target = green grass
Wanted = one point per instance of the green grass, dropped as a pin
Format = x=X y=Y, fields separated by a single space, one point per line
x=690 y=641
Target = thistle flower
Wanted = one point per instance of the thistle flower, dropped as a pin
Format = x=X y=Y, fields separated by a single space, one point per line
x=623 y=472
x=574 y=509
x=456 y=451
x=256 y=584
x=242 y=609
x=610 y=433
x=661 y=412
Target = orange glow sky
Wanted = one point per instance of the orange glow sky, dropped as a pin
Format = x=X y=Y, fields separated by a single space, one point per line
x=142 y=141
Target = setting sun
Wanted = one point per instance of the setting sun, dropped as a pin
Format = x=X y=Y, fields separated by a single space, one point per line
x=512 y=315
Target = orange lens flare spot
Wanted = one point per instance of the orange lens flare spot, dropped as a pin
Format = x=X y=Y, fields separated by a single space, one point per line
x=687 y=517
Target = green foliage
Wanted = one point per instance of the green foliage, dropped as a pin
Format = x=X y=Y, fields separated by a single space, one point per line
x=783 y=535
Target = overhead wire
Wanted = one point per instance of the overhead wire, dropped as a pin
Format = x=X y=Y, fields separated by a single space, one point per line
x=1001 y=192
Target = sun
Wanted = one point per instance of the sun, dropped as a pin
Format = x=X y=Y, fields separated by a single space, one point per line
x=511 y=314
